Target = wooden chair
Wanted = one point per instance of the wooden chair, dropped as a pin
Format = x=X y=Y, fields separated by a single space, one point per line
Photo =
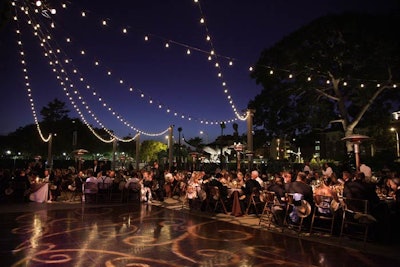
x=77 y=190
x=322 y=213
x=214 y=199
x=267 y=213
x=255 y=201
x=292 y=204
x=356 y=219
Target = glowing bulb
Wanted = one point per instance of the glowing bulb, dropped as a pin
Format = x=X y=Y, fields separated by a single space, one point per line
x=208 y=38
x=202 y=20
x=38 y=3
x=250 y=68
x=146 y=38
x=230 y=63
x=124 y=30
x=53 y=11
x=104 y=22
x=83 y=14
x=188 y=52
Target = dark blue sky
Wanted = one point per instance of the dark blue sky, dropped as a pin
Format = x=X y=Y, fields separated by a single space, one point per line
x=186 y=84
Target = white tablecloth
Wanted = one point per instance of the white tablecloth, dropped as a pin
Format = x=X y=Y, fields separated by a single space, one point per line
x=41 y=194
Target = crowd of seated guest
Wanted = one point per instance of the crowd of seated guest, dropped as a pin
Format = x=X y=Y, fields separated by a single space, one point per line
x=156 y=185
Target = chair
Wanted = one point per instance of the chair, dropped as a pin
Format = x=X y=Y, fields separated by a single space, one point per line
x=255 y=201
x=214 y=199
x=133 y=192
x=104 y=190
x=293 y=203
x=356 y=218
x=90 y=191
x=267 y=213
x=77 y=189
x=322 y=212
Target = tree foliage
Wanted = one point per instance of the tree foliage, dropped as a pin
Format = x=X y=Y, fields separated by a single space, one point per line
x=339 y=68
x=149 y=150
x=54 y=111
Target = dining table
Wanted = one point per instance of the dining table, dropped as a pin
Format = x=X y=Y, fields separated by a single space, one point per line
x=39 y=192
x=234 y=194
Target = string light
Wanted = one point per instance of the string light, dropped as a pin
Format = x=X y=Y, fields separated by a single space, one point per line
x=182 y=116
x=88 y=108
x=198 y=50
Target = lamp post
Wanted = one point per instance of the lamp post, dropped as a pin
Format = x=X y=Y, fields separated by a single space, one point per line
x=397 y=141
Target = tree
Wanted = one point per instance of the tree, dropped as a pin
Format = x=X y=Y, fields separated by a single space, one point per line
x=54 y=111
x=149 y=150
x=340 y=68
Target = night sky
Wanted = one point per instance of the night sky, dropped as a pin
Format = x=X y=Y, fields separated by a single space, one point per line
x=148 y=71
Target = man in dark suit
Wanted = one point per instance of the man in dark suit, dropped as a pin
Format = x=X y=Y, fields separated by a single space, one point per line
x=360 y=189
x=300 y=186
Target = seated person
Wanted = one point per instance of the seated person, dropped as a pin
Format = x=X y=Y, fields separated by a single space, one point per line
x=248 y=188
x=278 y=210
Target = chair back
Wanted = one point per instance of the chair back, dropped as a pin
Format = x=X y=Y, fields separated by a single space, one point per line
x=214 y=192
x=91 y=187
x=323 y=204
x=270 y=197
x=355 y=205
x=135 y=186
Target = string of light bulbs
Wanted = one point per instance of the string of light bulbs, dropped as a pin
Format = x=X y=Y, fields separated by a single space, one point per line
x=361 y=83
x=151 y=100
x=29 y=90
x=105 y=22
x=27 y=81
x=217 y=64
x=49 y=52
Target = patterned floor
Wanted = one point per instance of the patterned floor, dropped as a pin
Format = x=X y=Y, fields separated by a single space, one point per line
x=65 y=234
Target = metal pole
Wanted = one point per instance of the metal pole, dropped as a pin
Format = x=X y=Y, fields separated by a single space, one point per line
x=114 y=151
x=170 y=147
x=250 y=115
x=397 y=143
x=357 y=155
x=137 y=151
x=49 y=152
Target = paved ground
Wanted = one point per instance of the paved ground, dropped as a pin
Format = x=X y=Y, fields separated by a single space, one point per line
x=165 y=234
